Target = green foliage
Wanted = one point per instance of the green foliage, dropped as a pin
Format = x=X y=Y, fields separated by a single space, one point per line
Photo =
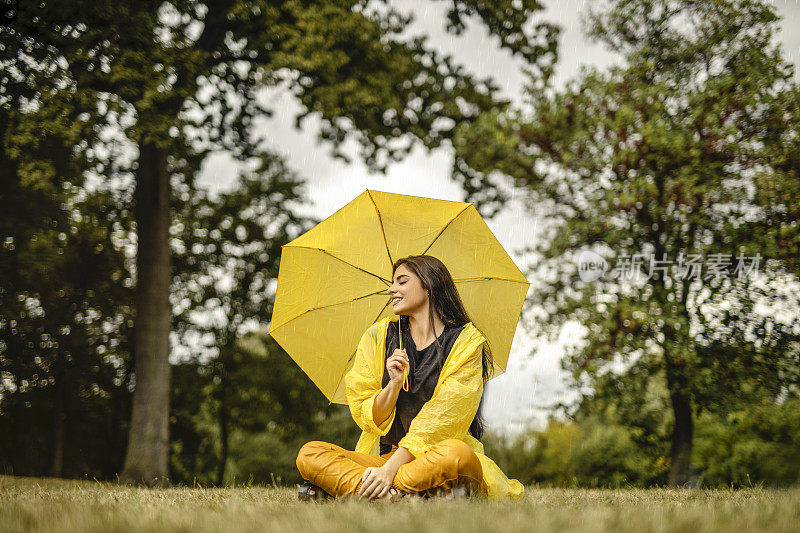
x=758 y=445
x=607 y=456
x=194 y=430
x=537 y=456
x=274 y=409
x=179 y=80
x=593 y=453
x=65 y=302
x=270 y=456
x=226 y=255
x=634 y=403
x=689 y=147
x=188 y=74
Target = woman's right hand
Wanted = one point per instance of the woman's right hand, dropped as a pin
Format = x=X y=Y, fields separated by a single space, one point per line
x=396 y=364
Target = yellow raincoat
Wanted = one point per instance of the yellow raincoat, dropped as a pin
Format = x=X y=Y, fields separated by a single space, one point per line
x=447 y=415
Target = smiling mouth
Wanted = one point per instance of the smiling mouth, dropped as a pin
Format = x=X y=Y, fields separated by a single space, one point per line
x=395 y=300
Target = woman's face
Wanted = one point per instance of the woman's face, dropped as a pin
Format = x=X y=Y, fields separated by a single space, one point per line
x=408 y=296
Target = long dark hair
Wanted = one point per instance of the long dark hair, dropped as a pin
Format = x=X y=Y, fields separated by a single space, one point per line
x=444 y=300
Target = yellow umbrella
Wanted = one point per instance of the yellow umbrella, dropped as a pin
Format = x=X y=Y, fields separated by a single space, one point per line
x=333 y=279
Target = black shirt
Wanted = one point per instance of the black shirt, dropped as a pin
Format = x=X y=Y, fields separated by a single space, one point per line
x=424 y=368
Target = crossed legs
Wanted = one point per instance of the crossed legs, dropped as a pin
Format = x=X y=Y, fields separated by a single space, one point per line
x=338 y=471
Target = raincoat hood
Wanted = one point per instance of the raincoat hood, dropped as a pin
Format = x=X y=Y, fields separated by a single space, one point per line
x=447 y=415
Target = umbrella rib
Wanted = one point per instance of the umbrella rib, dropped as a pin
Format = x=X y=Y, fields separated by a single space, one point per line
x=386 y=281
x=491 y=277
x=338 y=383
x=334 y=304
x=448 y=225
x=383 y=232
x=444 y=228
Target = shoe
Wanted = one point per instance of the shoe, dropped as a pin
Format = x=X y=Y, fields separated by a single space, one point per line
x=310 y=492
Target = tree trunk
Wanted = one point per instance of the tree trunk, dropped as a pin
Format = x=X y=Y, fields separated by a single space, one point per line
x=148 y=437
x=682 y=433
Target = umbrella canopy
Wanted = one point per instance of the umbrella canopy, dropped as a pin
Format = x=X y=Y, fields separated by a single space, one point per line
x=333 y=279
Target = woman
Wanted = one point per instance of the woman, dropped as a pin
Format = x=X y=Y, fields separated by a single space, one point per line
x=419 y=433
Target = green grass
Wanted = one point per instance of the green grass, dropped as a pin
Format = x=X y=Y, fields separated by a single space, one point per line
x=36 y=504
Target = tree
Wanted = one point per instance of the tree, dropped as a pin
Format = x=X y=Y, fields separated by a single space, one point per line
x=185 y=75
x=226 y=259
x=65 y=297
x=65 y=303
x=270 y=409
x=691 y=146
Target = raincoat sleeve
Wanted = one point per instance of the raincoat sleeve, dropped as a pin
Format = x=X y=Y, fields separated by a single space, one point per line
x=451 y=409
x=363 y=384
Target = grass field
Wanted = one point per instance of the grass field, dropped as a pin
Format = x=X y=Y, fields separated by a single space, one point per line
x=36 y=504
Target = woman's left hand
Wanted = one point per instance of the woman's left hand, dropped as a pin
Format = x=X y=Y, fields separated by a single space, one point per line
x=377 y=482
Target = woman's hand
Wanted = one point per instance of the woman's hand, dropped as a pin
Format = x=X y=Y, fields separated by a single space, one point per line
x=377 y=481
x=385 y=401
x=396 y=364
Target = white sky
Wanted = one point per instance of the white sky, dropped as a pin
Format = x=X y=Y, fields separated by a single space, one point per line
x=519 y=398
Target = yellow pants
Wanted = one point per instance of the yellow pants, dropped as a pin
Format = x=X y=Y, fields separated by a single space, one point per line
x=338 y=471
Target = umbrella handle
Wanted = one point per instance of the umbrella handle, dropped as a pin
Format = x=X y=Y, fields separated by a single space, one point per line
x=405 y=370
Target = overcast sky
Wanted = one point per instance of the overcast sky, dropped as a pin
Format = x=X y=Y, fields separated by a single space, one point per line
x=533 y=381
